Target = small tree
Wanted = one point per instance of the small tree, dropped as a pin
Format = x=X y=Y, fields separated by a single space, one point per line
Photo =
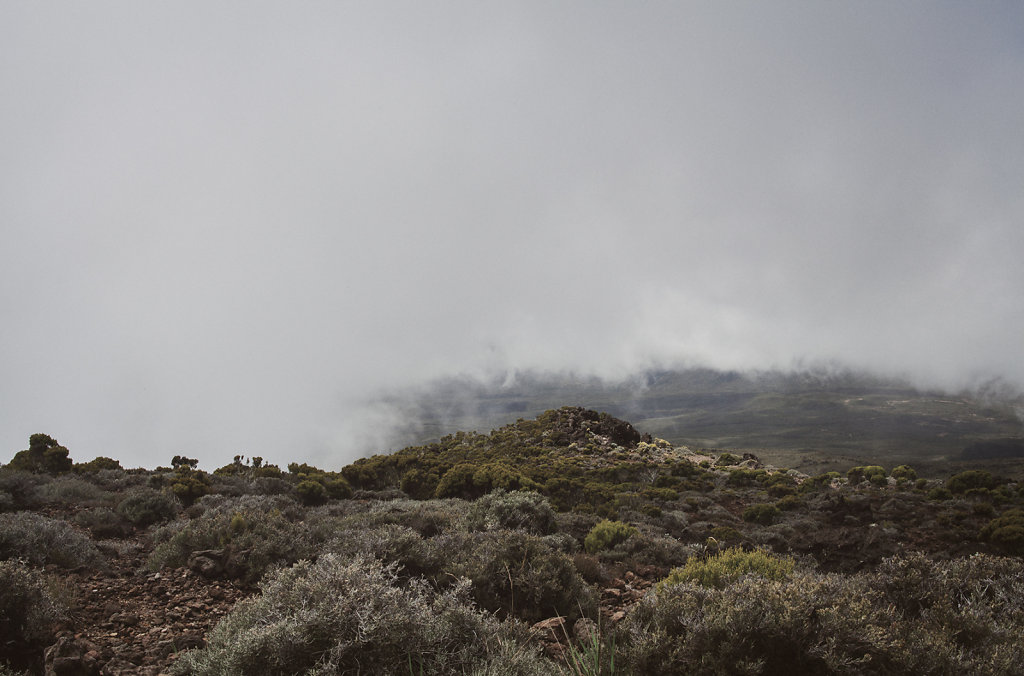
x=44 y=455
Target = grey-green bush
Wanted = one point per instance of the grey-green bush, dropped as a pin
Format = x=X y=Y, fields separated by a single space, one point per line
x=516 y=510
x=70 y=490
x=258 y=539
x=41 y=540
x=103 y=522
x=351 y=616
x=517 y=574
x=21 y=487
x=413 y=555
x=28 y=613
x=910 y=616
x=146 y=506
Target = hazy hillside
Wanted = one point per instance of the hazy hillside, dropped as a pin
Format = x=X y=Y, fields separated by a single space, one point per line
x=811 y=420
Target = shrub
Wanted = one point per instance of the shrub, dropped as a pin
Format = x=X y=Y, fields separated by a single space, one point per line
x=1006 y=532
x=963 y=616
x=42 y=540
x=470 y=481
x=728 y=566
x=428 y=517
x=70 y=490
x=972 y=478
x=606 y=534
x=726 y=534
x=762 y=514
x=188 y=484
x=147 y=506
x=789 y=502
x=255 y=537
x=939 y=493
x=420 y=483
x=516 y=574
x=753 y=626
x=28 y=613
x=97 y=464
x=103 y=522
x=727 y=459
x=311 y=492
x=912 y=615
x=904 y=473
x=518 y=510
x=391 y=544
x=649 y=550
x=743 y=477
x=872 y=473
x=818 y=482
x=351 y=616
x=22 y=488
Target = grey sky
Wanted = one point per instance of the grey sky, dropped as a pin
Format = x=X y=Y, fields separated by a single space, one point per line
x=229 y=225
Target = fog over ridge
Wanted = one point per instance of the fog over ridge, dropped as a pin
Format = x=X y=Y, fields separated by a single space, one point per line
x=241 y=227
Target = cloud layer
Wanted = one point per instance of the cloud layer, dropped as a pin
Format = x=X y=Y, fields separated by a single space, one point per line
x=227 y=228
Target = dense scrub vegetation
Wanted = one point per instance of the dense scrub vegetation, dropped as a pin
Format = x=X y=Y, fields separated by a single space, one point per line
x=438 y=558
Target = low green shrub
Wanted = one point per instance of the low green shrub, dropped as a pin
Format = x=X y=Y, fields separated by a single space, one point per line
x=727 y=460
x=471 y=481
x=729 y=565
x=762 y=514
x=743 y=477
x=874 y=474
x=311 y=492
x=972 y=478
x=343 y=615
x=188 y=484
x=904 y=473
x=606 y=534
x=42 y=540
x=97 y=464
x=28 y=613
x=789 y=502
x=725 y=534
x=420 y=484
x=1006 y=532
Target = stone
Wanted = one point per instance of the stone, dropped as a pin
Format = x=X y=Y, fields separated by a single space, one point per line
x=71 y=657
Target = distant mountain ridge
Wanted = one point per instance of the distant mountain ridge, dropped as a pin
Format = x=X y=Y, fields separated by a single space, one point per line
x=817 y=414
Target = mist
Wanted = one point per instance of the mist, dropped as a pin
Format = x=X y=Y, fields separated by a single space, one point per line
x=236 y=228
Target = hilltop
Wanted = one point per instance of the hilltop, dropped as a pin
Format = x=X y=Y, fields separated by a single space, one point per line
x=812 y=420
x=546 y=546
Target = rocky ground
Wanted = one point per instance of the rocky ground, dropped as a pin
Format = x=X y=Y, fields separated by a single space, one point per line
x=127 y=620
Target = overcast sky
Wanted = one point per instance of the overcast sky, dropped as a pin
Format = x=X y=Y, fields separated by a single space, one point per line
x=226 y=226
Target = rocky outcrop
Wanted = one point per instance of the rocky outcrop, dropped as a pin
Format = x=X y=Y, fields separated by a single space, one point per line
x=575 y=424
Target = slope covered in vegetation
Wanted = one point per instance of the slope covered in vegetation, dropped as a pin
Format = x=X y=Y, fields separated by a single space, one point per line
x=570 y=543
